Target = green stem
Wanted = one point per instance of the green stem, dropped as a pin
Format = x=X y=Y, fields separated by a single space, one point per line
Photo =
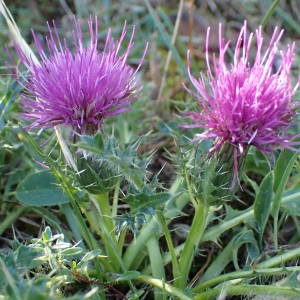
x=91 y=242
x=193 y=239
x=280 y=259
x=106 y=228
x=155 y=258
x=72 y=220
x=85 y=232
x=244 y=274
x=115 y=199
x=275 y=229
x=93 y=220
x=189 y=188
x=135 y=248
x=164 y=286
x=249 y=290
x=164 y=226
x=102 y=203
x=167 y=258
x=214 y=232
x=269 y=13
x=12 y=216
x=156 y=262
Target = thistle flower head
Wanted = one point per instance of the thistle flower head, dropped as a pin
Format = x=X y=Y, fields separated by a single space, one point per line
x=247 y=102
x=81 y=87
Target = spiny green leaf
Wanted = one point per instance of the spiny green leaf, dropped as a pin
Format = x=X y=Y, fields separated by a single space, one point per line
x=143 y=200
x=244 y=237
x=91 y=143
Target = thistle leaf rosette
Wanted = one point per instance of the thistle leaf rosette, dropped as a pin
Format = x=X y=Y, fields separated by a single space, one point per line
x=82 y=87
x=247 y=102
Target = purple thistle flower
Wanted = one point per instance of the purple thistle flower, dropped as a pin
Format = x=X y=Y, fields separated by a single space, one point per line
x=247 y=102
x=81 y=87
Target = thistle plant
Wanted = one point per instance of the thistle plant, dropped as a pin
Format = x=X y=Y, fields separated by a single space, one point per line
x=116 y=228
x=78 y=88
x=247 y=102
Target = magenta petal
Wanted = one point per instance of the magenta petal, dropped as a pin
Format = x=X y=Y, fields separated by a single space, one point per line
x=247 y=102
x=81 y=87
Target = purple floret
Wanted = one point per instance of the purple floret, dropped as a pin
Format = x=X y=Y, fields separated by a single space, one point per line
x=82 y=87
x=247 y=102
